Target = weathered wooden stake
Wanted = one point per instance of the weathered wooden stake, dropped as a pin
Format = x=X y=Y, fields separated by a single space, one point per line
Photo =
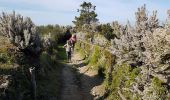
x=33 y=82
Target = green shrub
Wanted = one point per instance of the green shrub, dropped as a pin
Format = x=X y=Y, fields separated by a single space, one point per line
x=3 y=58
x=95 y=56
x=122 y=77
x=159 y=88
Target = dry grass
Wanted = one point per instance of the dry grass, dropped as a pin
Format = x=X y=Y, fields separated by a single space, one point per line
x=5 y=44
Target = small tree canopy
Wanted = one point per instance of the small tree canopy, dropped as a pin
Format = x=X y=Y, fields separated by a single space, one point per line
x=87 y=15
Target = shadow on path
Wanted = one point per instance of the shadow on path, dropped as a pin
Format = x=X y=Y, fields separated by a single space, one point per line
x=88 y=78
x=77 y=81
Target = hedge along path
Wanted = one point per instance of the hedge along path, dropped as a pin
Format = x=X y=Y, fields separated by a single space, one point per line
x=102 y=48
x=109 y=55
x=112 y=53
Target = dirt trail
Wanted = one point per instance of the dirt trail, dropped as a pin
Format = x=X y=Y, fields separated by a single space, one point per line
x=70 y=90
x=90 y=83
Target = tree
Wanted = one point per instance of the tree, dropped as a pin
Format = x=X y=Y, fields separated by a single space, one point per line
x=87 y=15
x=153 y=21
x=21 y=32
x=146 y=46
x=106 y=30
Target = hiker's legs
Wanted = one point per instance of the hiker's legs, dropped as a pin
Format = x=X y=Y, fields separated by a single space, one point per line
x=69 y=56
x=73 y=47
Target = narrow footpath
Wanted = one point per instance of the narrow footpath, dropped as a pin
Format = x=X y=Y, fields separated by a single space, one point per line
x=87 y=86
x=70 y=90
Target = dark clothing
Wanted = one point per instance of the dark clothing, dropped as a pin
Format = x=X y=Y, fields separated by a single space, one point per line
x=73 y=46
x=68 y=55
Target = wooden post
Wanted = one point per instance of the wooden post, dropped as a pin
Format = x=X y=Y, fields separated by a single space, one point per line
x=33 y=82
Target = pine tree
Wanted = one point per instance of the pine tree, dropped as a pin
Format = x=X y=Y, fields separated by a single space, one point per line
x=87 y=16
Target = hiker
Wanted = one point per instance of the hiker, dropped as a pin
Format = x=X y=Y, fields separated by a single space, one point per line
x=68 y=47
x=73 y=40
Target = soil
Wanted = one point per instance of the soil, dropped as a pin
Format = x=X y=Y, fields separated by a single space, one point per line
x=79 y=82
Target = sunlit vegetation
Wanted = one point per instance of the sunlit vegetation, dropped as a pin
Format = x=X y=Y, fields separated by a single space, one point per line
x=133 y=61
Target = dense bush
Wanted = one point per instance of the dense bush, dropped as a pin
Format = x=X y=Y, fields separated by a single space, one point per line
x=21 y=32
x=106 y=30
x=57 y=32
x=23 y=55
x=140 y=69
x=48 y=43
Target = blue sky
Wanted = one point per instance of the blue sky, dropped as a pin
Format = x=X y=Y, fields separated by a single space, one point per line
x=63 y=12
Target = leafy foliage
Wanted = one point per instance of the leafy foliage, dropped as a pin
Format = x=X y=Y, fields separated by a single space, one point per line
x=106 y=30
x=21 y=32
x=57 y=32
x=87 y=15
x=141 y=67
x=95 y=56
